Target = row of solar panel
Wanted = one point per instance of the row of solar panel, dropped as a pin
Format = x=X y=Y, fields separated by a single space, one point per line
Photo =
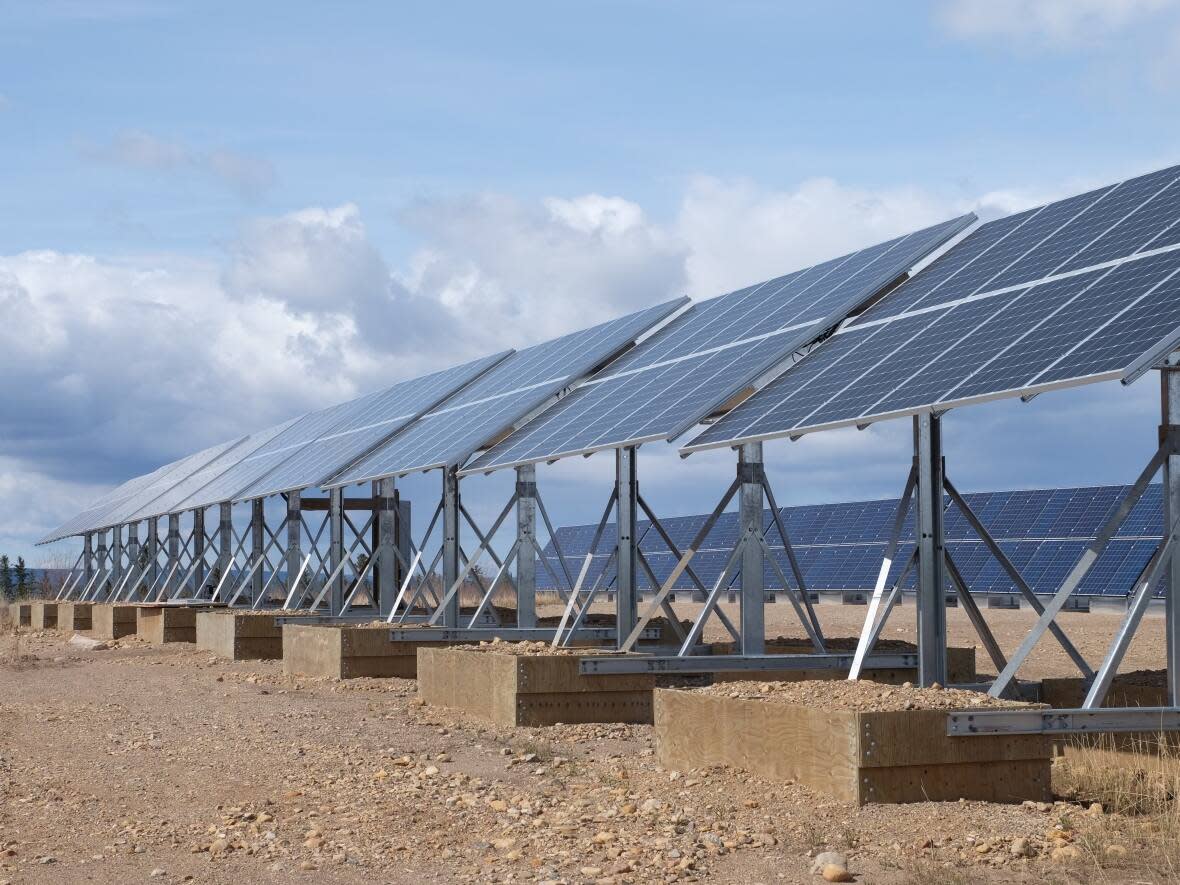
x=840 y=546
x=1084 y=289
x=678 y=375
x=1044 y=565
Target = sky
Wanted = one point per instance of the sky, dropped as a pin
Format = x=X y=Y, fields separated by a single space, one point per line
x=215 y=216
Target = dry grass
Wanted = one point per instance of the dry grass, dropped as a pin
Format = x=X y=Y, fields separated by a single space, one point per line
x=1136 y=780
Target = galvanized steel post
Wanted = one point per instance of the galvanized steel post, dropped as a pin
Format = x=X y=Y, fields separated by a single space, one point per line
x=931 y=601
x=1169 y=423
x=336 y=549
x=526 y=553
x=257 y=548
x=294 y=539
x=450 y=552
x=198 y=551
x=750 y=514
x=386 y=571
x=626 y=585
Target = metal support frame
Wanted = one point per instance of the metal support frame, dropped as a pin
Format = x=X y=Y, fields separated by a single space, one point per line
x=746 y=559
x=387 y=578
x=88 y=554
x=172 y=561
x=116 y=557
x=134 y=561
x=626 y=561
x=225 y=544
x=753 y=591
x=294 y=552
x=152 y=573
x=1170 y=419
x=448 y=611
x=931 y=607
x=526 y=547
x=336 y=550
x=257 y=550
x=199 y=546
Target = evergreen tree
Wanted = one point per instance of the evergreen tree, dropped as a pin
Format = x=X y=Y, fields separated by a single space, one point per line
x=6 y=587
x=21 y=574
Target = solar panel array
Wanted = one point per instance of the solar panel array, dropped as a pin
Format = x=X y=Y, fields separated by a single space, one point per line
x=369 y=421
x=169 y=501
x=491 y=406
x=840 y=546
x=109 y=510
x=1082 y=290
x=710 y=353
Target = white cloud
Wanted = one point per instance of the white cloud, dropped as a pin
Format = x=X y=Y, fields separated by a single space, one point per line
x=508 y=272
x=1053 y=23
x=248 y=176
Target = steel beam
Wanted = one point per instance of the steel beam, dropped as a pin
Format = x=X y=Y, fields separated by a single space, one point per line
x=750 y=515
x=1169 y=419
x=1040 y=721
x=225 y=541
x=603 y=664
x=88 y=555
x=116 y=556
x=257 y=550
x=336 y=550
x=294 y=553
x=931 y=601
x=627 y=566
x=387 y=578
x=526 y=553
x=173 y=560
x=152 y=573
x=450 y=547
x=133 y=560
x=478 y=634
x=199 y=565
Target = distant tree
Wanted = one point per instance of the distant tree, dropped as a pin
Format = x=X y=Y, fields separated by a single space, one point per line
x=7 y=589
x=21 y=574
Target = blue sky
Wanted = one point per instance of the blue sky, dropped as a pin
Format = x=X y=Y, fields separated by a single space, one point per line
x=216 y=215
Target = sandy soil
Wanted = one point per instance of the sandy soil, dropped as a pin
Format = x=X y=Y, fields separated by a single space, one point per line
x=163 y=764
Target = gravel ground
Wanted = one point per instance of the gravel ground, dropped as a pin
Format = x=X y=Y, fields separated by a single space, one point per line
x=861 y=696
x=164 y=764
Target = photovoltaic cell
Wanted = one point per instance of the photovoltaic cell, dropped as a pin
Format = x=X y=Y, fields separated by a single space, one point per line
x=840 y=546
x=370 y=422
x=1083 y=290
x=145 y=488
x=167 y=502
x=491 y=406
x=709 y=354
x=253 y=471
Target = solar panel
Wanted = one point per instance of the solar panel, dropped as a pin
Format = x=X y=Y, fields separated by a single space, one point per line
x=839 y=546
x=1083 y=290
x=107 y=514
x=373 y=420
x=75 y=524
x=167 y=502
x=711 y=353
x=254 y=471
x=492 y=405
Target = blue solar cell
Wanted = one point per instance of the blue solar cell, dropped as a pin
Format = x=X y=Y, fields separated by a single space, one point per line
x=714 y=351
x=839 y=546
x=488 y=408
x=993 y=320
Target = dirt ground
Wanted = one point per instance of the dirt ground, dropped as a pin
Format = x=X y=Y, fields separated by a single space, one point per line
x=165 y=764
